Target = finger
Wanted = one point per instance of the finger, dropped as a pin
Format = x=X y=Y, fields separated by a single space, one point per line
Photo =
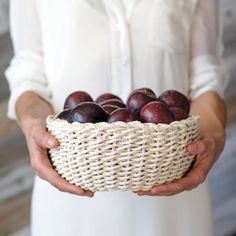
x=43 y=138
x=197 y=148
x=149 y=193
x=192 y=180
x=89 y=193
x=191 y=188
x=143 y=193
x=42 y=166
x=57 y=181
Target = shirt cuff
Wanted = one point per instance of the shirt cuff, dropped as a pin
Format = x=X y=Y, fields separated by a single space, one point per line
x=208 y=73
x=26 y=72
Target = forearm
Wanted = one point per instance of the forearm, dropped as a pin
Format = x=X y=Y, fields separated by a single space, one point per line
x=30 y=107
x=211 y=103
x=212 y=111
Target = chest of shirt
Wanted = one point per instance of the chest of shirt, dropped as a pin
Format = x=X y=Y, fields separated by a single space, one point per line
x=163 y=23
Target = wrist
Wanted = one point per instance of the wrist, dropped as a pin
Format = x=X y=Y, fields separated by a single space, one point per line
x=212 y=128
x=27 y=122
x=208 y=106
x=32 y=110
x=212 y=114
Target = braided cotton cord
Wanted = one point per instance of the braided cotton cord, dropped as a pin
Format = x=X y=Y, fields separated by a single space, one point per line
x=122 y=156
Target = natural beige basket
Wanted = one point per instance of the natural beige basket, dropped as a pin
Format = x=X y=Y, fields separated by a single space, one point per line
x=122 y=156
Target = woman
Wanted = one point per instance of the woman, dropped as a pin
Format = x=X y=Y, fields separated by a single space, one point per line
x=116 y=46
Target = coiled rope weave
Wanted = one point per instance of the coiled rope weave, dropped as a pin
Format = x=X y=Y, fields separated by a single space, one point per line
x=122 y=156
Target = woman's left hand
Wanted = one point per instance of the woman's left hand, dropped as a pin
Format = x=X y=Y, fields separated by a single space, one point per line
x=207 y=149
x=207 y=153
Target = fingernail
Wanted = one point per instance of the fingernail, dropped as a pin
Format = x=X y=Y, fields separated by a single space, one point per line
x=91 y=195
x=192 y=148
x=157 y=190
x=81 y=192
x=51 y=143
x=154 y=191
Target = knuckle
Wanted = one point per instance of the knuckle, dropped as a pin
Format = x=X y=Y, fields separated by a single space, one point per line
x=179 y=187
x=211 y=143
x=55 y=184
x=195 y=186
x=202 y=178
x=40 y=176
x=74 y=192
x=34 y=130
x=39 y=135
x=199 y=179
x=43 y=140
x=196 y=180
x=202 y=146
x=34 y=164
x=61 y=189
x=32 y=133
x=191 y=188
x=169 y=194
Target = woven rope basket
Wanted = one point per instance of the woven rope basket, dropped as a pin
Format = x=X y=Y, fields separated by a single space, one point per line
x=122 y=156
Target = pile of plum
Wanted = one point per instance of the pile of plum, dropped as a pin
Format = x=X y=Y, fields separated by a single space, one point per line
x=142 y=105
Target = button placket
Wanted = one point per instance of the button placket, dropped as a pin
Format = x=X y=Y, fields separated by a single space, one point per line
x=121 y=81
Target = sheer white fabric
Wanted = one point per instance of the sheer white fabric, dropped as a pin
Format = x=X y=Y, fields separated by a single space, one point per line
x=207 y=68
x=26 y=71
x=116 y=46
x=164 y=44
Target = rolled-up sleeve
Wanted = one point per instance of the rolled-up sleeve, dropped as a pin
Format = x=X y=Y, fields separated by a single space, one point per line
x=26 y=71
x=207 y=69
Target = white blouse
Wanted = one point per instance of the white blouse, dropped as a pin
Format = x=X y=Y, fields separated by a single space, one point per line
x=116 y=46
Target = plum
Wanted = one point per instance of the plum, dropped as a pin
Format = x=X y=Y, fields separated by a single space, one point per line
x=76 y=98
x=106 y=96
x=174 y=98
x=121 y=114
x=64 y=115
x=110 y=108
x=88 y=112
x=137 y=101
x=178 y=113
x=146 y=91
x=114 y=102
x=156 y=112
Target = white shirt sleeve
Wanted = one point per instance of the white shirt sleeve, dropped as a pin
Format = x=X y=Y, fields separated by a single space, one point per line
x=26 y=71
x=207 y=70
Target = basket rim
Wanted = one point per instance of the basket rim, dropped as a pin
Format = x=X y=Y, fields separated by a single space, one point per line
x=53 y=120
x=66 y=162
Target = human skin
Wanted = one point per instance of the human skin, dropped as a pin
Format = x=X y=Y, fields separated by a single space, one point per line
x=212 y=111
x=32 y=112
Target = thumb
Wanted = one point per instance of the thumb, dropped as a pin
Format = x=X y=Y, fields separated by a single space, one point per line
x=43 y=138
x=197 y=147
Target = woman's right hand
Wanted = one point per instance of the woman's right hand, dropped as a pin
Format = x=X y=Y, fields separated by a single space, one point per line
x=38 y=141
